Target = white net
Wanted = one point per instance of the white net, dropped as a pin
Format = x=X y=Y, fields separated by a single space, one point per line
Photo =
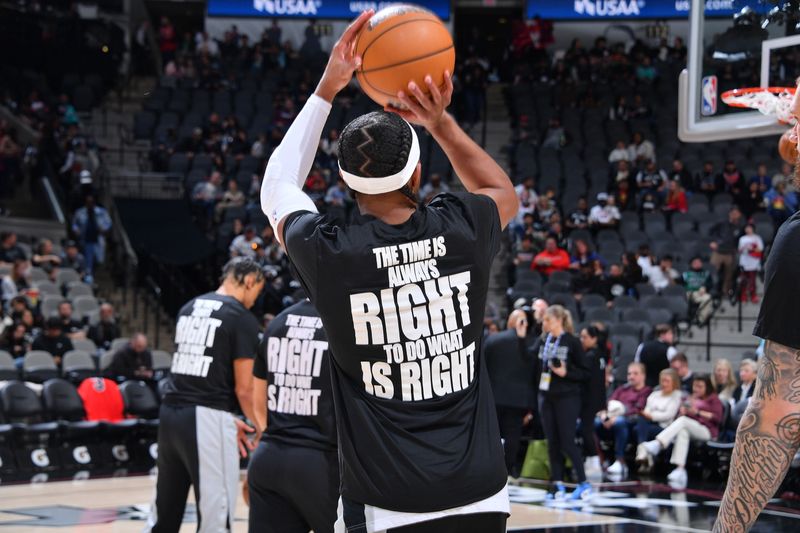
x=778 y=104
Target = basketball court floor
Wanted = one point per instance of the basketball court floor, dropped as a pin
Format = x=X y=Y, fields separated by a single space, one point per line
x=119 y=505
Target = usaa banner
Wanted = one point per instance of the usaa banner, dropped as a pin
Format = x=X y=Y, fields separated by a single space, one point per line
x=631 y=9
x=323 y=9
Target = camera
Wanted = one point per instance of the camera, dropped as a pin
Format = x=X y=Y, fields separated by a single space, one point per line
x=556 y=363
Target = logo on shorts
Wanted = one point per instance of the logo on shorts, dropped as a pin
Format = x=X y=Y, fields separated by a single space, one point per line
x=40 y=458
x=81 y=455
x=153 y=450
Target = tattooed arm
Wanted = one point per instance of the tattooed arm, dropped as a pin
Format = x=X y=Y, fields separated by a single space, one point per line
x=766 y=441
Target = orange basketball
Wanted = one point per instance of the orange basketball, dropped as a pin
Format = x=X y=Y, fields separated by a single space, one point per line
x=788 y=148
x=400 y=44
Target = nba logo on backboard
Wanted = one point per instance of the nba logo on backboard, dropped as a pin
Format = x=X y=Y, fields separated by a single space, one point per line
x=709 y=96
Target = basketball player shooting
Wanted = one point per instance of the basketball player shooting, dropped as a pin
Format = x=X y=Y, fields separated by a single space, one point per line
x=401 y=292
x=769 y=433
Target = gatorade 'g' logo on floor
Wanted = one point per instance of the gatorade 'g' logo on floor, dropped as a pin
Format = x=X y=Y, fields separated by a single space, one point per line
x=120 y=453
x=81 y=455
x=418 y=321
x=40 y=458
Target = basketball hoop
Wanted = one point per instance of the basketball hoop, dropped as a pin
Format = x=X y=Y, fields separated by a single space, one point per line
x=775 y=101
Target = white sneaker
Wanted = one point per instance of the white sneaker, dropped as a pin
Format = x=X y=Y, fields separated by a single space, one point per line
x=653 y=447
x=678 y=477
x=593 y=468
x=617 y=469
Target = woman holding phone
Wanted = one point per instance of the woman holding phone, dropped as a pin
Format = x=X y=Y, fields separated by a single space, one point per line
x=561 y=374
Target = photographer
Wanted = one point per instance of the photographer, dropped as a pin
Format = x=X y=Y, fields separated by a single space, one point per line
x=561 y=374
x=510 y=366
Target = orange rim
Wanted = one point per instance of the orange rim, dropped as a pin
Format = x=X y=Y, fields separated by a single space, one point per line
x=750 y=90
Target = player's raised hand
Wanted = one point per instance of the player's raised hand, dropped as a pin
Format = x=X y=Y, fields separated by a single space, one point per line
x=424 y=109
x=343 y=60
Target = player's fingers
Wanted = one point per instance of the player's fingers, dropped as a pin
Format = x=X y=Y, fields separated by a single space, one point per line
x=448 y=87
x=411 y=104
x=436 y=95
x=242 y=450
x=422 y=98
x=353 y=29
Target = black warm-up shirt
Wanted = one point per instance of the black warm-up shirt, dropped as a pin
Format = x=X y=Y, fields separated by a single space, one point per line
x=212 y=331
x=777 y=317
x=294 y=360
x=403 y=308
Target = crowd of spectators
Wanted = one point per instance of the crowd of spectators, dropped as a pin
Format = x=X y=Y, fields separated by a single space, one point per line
x=660 y=412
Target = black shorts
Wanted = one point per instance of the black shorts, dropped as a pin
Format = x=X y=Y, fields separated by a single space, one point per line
x=292 y=488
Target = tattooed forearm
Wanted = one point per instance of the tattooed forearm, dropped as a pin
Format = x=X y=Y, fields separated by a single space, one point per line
x=766 y=441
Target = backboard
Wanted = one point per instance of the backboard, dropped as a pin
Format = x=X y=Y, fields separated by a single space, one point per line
x=725 y=54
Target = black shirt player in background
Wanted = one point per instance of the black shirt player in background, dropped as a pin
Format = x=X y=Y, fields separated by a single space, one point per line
x=211 y=378
x=293 y=476
x=769 y=432
x=401 y=291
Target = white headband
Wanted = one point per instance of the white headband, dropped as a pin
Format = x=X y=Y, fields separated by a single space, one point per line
x=385 y=184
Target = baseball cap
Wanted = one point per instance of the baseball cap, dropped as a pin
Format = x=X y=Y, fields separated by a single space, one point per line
x=602 y=196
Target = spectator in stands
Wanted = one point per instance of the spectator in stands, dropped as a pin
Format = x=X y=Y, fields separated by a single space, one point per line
x=615 y=283
x=17 y=306
x=619 y=423
x=680 y=364
x=233 y=197
x=432 y=188
x=605 y=214
x=762 y=179
x=71 y=327
x=53 y=340
x=748 y=369
x=106 y=329
x=329 y=149
x=90 y=223
x=675 y=201
x=645 y=71
x=751 y=200
x=582 y=255
x=524 y=252
x=16 y=282
x=731 y=180
x=510 y=366
x=620 y=151
x=663 y=275
x=16 y=340
x=10 y=251
x=619 y=111
x=45 y=259
x=650 y=179
x=593 y=399
x=631 y=272
x=706 y=180
x=725 y=242
x=751 y=250
x=554 y=136
x=698 y=283
x=167 y=40
x=245 y=245
x=662 y=406
x=552 y=258
x=699 y=421
x=132 y=361
x=579 y=217
x=545 y=207
x=207 y=193
x=640 y=151
x=339 y=201
x=656 y=354
x=723 y=379
x=781 y=204
x=72 y=258
x=681 y=175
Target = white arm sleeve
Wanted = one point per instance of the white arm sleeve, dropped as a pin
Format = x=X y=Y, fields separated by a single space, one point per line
x=287 y=169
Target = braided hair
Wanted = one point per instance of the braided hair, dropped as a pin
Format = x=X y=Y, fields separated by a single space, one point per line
x=376 y=145
x=239 y=268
